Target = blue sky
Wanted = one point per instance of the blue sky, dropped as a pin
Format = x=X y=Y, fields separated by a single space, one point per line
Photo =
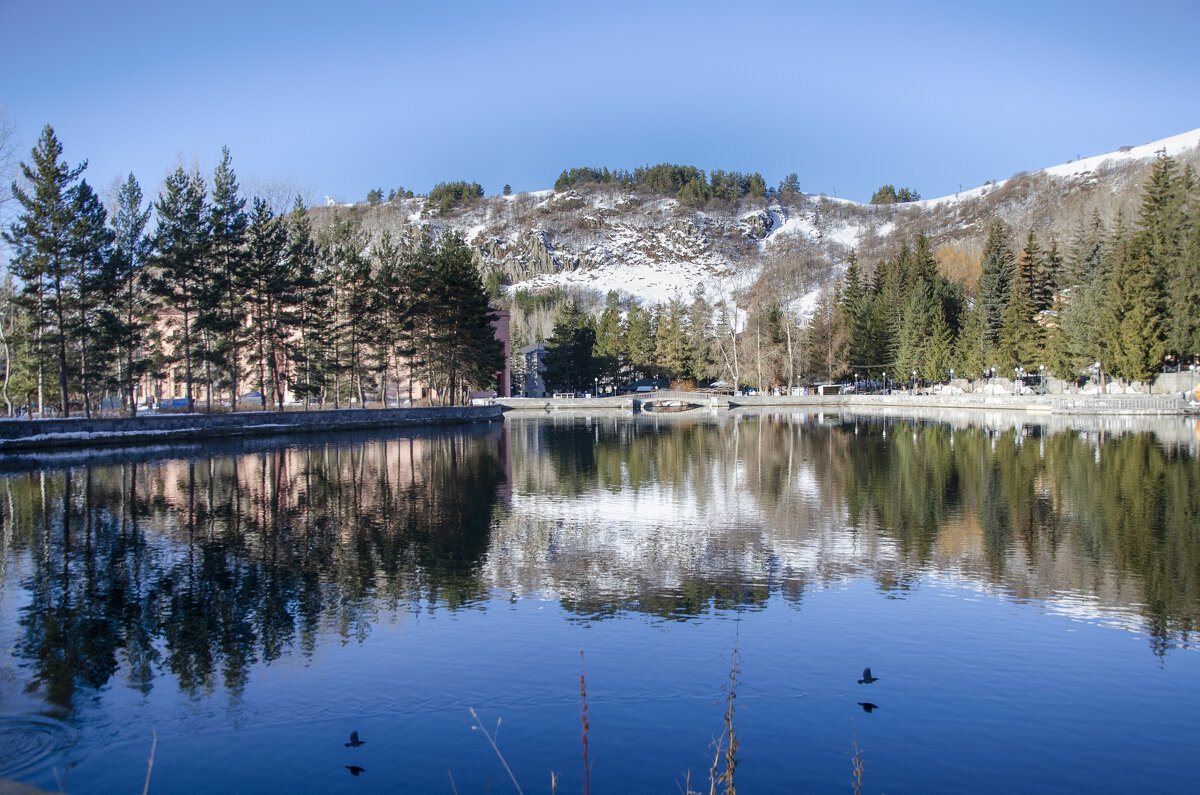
x=343 y=97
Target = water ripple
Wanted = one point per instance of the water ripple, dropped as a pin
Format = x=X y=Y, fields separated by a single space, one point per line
x=28 y=740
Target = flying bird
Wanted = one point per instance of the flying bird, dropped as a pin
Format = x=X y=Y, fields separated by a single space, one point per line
x=867 y=678
x=868 y=706
x=355 y=742
x=355 y=769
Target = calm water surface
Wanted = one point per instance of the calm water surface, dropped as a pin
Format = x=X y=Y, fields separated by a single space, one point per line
x=1025 y=593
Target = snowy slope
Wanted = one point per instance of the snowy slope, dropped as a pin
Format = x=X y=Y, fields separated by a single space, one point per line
x=653 y=249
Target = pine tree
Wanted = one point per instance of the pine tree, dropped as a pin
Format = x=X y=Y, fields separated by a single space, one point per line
x=40 y=238
x=827 y=338
x=855 y=304
x=1029 y=266
x=569 y=351
x=1184 y=295
x=127 y=305
x=1132 y=318
x=90 y=249
x=271 y=295
x=348 y=275
x=1021 y=342
x=700 y=335
x=465 y=344
x=939 y=351
x=1049 y=280
x=995 y=282
x=609 y=354
x=970 y=350
x=672 y=352
x=638 y=341
x=310 y=316
x=920 y=311
x=223 y=311
x=179 y=247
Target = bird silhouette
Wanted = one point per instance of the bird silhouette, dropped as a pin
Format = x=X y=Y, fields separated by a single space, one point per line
x=867 y=678
x=355 y=742
x=355 y=769
x=868 y=706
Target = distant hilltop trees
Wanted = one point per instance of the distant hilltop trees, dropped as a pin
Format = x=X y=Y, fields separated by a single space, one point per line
x=889 y=195
x=688 y=184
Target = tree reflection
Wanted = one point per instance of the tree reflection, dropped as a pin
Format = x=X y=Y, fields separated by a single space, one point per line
x=207 y=567
x=1038 y=514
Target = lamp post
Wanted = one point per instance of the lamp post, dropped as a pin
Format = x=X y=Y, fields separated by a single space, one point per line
x=885 y=383
x=914 y=382
x=1192 y=368
x=596 y=390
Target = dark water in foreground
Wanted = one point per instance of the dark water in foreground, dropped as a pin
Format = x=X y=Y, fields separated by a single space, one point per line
x=1026 y=596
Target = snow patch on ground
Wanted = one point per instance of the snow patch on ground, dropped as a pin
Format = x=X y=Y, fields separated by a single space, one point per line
x=1174 y=146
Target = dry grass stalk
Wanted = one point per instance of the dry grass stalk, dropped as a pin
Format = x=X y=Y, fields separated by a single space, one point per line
x=492 y=742
x=150 y=764
x=857 y=761
x=587 y=766
x=726 y=746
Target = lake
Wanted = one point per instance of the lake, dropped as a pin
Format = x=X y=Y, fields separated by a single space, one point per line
x=1024 y=590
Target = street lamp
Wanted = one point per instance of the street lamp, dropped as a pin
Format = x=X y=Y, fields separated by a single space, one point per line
x=885 y=383
x=596 y=390
x=914 y=382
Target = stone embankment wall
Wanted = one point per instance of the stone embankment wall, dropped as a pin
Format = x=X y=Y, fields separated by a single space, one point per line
x=81 y=432
x=1049 y=404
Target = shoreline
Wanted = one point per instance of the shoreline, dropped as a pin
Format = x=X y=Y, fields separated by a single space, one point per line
x=1068 y=404
x=46 y=434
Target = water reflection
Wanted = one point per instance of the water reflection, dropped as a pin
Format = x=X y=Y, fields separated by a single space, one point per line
x=203 y=568
x=683 y=516
x=206 y=567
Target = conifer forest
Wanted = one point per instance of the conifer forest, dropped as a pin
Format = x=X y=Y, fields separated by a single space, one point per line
x=206 y=292
x=227 y=297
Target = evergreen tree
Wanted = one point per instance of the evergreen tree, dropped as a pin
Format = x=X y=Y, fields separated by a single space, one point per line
x=827 y=338
x=970 y=350
x=701 y=335
x=465 y=345
x=920 y=311
x=90 y=249
x=1029 y=267
x=223 y=307
x=672 y=351
x=1184 y=295
x=271 y=297
x=310 y=316
x=569 y=351
x=41 y=258
x=128 y=307
x=179 y=248
x=1049 y=280
x=995 y=282
x=940 y=350
x=609 y=349
x=1021 y=343
x=1087 y=251
x=639 y=341
x=346 y=271
x=1131 y=315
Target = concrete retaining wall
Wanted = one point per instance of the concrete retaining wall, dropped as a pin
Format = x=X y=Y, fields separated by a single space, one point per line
x=81 y=432
x=1050 y=404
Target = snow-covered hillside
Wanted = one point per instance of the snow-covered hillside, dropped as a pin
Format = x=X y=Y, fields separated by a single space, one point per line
x=597 y=238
